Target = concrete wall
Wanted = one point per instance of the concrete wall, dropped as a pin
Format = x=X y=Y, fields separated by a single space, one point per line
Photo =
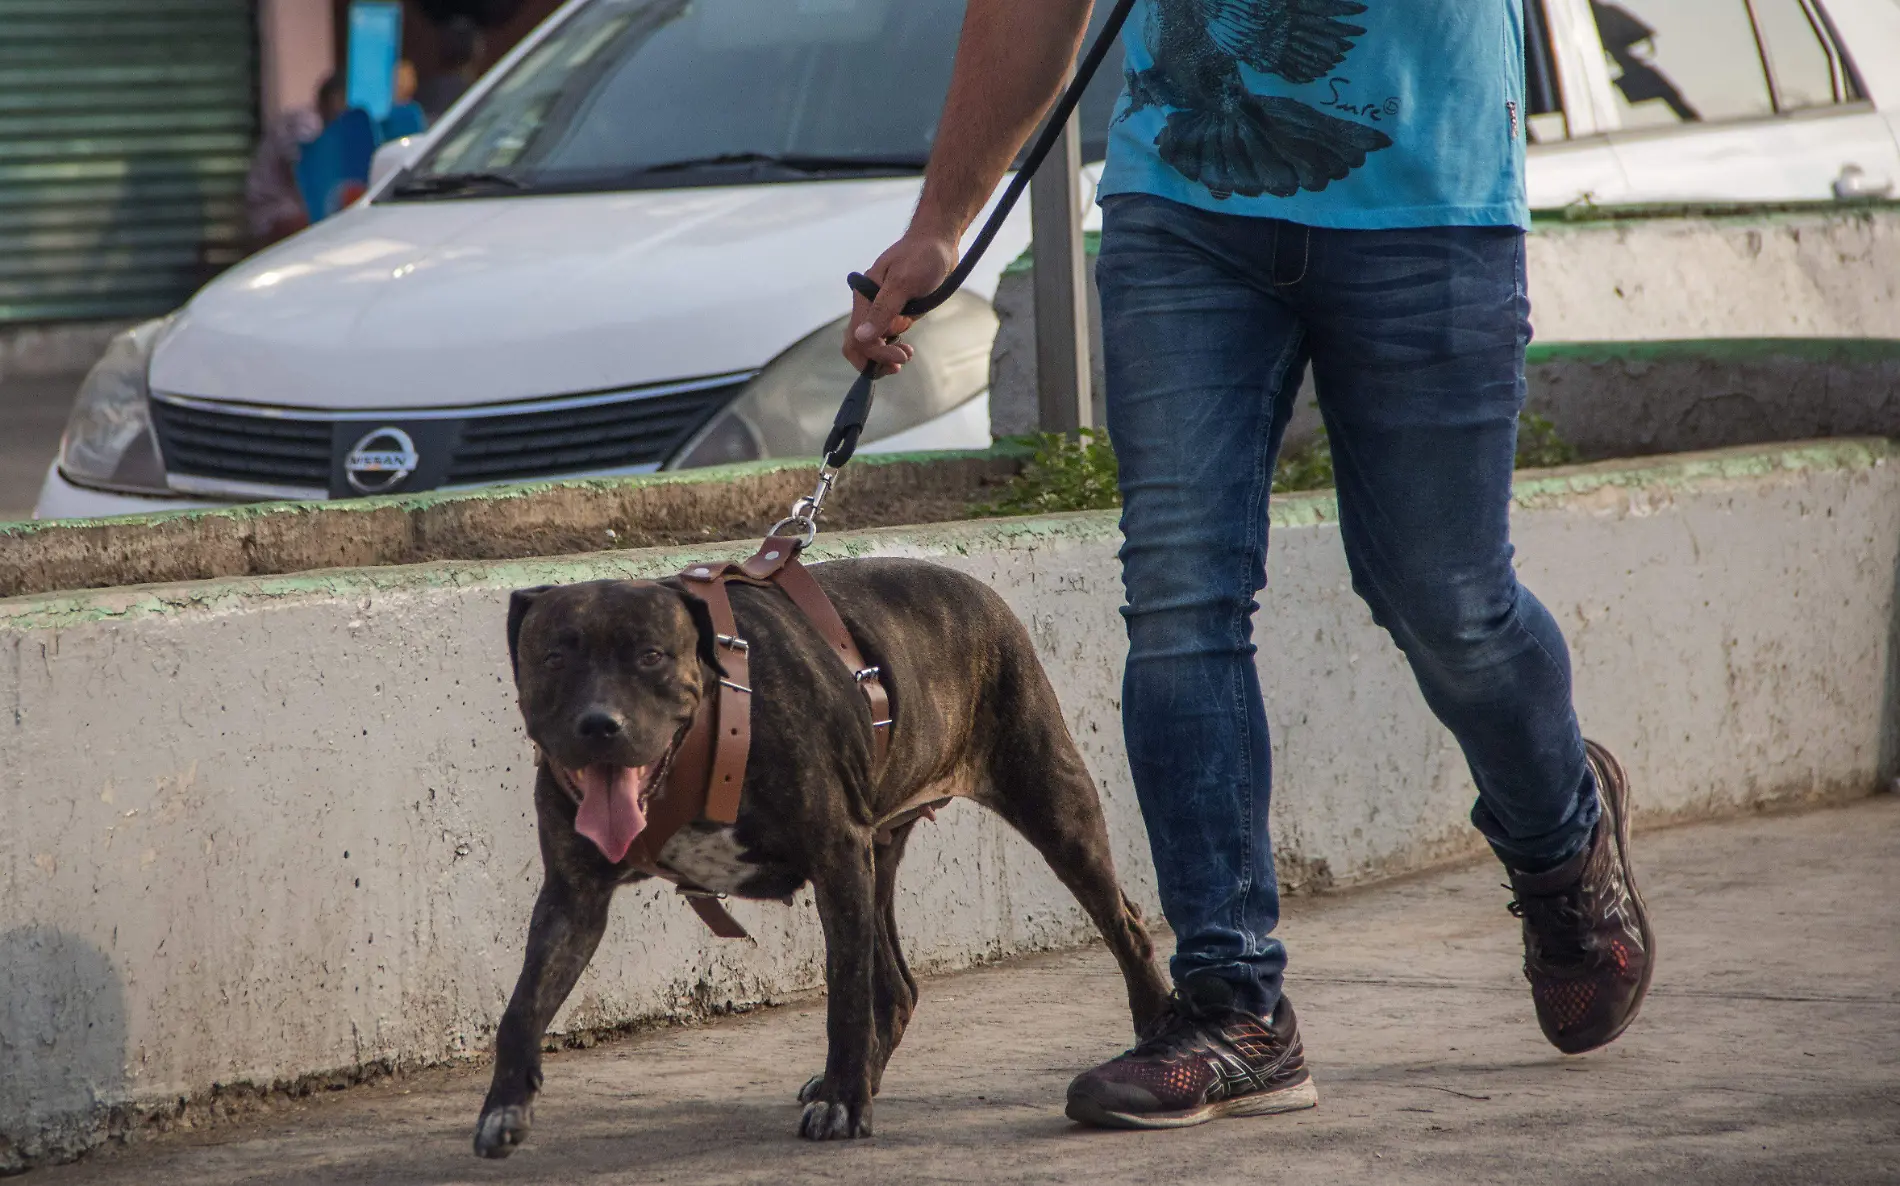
x=1632 y=399
x=1827 y=273
x=268 y=827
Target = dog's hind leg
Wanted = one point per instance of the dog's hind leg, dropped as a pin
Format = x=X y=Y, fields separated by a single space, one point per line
x=568 y=922
x=844 y=883
x=1037 y=782
x=1067 y=828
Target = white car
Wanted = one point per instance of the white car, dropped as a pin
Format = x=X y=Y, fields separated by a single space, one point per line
x=625 y=249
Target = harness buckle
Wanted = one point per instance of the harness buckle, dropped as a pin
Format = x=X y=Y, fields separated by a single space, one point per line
x=867 y=673
x=732 y=642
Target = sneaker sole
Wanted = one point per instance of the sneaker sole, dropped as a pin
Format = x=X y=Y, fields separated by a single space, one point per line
x=1292 y=1098
x=1614 y=785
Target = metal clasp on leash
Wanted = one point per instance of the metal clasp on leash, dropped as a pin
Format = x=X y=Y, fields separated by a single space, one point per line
x=804 y=517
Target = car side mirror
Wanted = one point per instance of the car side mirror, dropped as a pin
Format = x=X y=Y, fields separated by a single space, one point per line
x=393 y=157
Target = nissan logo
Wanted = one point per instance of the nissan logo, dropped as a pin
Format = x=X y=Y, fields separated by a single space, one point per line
x=380 y=461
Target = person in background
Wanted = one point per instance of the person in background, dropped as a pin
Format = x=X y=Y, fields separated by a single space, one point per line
x=405 y=82
x=406 y=117
x=332 y=99
x=461 y=48
x=274 y=206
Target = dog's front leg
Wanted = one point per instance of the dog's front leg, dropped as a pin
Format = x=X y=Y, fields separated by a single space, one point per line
x=840 y=1106
x=568 y=922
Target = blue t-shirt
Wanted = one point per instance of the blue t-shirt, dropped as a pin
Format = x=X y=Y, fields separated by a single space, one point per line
x=1334 y=113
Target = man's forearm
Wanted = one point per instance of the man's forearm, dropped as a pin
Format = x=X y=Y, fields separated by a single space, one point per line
x=1011 y=61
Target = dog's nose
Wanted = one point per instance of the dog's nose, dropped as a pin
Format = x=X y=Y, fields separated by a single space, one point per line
x=597 y=725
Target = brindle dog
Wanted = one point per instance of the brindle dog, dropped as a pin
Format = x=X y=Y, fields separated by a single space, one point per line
x=611 y=672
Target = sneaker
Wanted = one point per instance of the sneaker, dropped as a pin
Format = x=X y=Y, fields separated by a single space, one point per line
x=1201 y=1060
x=1588 y=949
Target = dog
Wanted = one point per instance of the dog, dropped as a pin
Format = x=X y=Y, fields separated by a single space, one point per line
x=609 y=675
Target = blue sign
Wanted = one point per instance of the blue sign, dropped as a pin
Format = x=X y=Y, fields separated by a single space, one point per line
x=375 y=45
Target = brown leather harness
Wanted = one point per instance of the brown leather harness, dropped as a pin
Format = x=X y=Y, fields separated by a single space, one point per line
x=708 y=769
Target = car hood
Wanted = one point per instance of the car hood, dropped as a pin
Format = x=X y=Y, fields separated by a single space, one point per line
x=448 y=302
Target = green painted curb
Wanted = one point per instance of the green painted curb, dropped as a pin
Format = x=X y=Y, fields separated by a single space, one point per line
x=1540 y=490
x=1724 y=350
x=1581 y=213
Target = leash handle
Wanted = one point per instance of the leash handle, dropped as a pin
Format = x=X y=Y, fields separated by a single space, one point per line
x=1059 y=115
x=841 y=443
x=848 y=425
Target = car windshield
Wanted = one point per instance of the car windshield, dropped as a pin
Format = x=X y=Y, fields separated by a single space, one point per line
x=659 y=93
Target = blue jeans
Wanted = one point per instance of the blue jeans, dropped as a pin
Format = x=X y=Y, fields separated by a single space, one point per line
x=1417 y=343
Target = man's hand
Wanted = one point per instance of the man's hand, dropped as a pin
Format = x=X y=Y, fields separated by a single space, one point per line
x=1009 y=66
x=914 y=265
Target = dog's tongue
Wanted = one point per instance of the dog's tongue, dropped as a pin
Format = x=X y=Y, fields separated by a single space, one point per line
x=610 y=813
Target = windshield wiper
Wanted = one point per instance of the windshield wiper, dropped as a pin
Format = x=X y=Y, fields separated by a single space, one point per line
x=796 y=162
x=437 y=184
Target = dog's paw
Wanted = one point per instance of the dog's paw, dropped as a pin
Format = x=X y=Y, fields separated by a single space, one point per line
x=501 y=1129
x=827 y=1121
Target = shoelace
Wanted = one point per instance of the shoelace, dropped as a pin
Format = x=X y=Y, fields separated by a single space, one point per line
x=1559 y=922
x=1180 y=1028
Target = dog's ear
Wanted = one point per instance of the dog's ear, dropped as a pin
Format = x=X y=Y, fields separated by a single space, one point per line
x=708 y=633
x=519 y=603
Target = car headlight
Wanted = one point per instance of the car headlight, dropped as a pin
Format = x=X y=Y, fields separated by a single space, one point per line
x=108 y=441
x=787 y=410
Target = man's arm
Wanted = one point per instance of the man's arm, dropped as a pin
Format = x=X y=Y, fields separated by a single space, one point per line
x=1011 y=60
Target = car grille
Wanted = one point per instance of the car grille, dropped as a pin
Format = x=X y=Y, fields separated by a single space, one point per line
x=575 y=440
x=238 y=448
x=288 y=452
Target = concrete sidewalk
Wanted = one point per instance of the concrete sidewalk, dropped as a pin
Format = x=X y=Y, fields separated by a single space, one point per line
x=1769 y=1052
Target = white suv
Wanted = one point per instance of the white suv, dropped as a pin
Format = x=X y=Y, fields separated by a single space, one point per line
x=625 y=249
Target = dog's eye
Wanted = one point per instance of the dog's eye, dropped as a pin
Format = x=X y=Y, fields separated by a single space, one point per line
x=554 y=659
x=652 y=657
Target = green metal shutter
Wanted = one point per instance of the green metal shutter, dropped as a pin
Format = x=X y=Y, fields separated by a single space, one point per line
x=126 y=128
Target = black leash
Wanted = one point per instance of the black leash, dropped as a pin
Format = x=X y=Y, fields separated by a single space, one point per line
x=842 y=441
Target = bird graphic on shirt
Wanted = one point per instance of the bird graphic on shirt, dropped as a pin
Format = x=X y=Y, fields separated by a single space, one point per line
x=1225 y=137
